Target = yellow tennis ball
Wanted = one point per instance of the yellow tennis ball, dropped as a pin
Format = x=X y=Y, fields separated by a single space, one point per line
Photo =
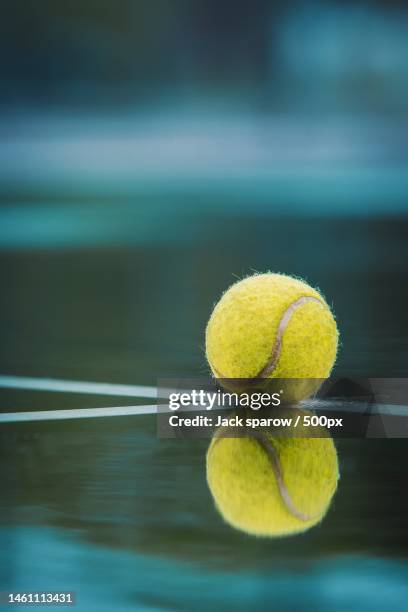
x=272 y=326
x=272 y=486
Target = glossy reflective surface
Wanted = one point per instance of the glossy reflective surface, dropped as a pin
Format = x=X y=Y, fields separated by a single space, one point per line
x=103 y=507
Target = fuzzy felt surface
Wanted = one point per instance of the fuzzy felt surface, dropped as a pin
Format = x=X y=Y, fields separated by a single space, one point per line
x=245 y=488
x=262 y=318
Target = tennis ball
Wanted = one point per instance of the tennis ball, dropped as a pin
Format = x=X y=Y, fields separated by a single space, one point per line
x=268 y=485
x=272 y=326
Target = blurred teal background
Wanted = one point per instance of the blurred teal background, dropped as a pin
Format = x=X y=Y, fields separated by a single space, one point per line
x=150 y=154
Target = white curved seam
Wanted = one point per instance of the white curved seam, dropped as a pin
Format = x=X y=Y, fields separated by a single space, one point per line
x=283 y=323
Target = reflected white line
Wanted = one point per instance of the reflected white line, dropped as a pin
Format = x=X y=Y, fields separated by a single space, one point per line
x=338 y=405
x=76 y=413
x=76 y=386
x=95 y=388
x=93 y=413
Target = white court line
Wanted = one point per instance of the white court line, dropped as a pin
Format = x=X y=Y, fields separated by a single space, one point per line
x=92 y=413
x=338 y=405
x=74 y=386
x=70 y=386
